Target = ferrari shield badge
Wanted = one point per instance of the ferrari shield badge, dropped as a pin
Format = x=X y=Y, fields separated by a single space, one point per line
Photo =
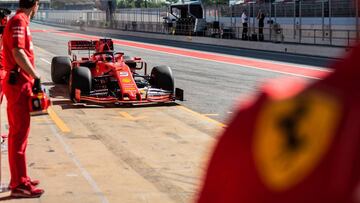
x=126 y=80
x=292 y=136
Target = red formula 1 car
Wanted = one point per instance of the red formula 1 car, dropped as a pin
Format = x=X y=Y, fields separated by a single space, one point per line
x=106 y=76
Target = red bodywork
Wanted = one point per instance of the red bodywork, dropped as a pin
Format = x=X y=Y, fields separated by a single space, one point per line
x=116 y=67
x=248 y=167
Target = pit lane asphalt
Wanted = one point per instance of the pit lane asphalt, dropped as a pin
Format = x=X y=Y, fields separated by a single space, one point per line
x=146 y=154
x=113 y=154
x=211 y=88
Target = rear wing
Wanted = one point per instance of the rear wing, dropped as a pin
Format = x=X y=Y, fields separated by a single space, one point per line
x=81 y=45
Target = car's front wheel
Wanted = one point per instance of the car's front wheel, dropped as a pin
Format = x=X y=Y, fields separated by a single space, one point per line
x=60 y=69
x=161 y=77
x=80 y=79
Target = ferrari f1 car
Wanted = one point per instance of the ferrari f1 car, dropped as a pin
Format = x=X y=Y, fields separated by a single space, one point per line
x=106 y=76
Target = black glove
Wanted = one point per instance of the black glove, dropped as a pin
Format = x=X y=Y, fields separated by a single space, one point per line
x=37 y=86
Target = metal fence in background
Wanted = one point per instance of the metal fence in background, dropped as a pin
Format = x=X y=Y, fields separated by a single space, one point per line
x=296 y=11
x=320 y=23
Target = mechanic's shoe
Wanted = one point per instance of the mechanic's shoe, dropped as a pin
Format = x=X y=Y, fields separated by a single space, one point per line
x=34 y=182
x=26 y=190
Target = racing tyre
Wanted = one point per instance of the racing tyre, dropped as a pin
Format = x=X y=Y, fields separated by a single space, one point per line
x=80 y=79
x=161 y=77
x=129 y=61
x=60 y=69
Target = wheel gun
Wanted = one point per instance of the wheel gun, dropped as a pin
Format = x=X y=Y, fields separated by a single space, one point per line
x=39 y=101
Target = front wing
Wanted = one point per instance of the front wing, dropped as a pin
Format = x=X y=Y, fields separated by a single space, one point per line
x=164 y=97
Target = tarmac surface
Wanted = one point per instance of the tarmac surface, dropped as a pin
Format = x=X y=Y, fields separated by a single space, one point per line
x=157 y=153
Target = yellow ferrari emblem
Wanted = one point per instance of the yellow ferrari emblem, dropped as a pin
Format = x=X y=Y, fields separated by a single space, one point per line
x=292 y=136
x=126 y=80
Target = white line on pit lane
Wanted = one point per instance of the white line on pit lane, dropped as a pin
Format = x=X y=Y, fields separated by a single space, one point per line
x=82 y=169
x=46 y=61
x=68 y=150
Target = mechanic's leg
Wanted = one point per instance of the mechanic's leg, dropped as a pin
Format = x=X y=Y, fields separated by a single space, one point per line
x=10 y=148
x=19 y=123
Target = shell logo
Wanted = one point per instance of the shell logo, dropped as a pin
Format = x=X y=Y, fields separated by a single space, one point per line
x=126 y=80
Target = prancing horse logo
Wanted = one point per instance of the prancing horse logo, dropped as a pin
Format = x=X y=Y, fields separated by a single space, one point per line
x=291 y=137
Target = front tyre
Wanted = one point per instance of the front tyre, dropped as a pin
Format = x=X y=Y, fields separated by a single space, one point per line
x=80 y=79
x=60 y=69
x=161 y=77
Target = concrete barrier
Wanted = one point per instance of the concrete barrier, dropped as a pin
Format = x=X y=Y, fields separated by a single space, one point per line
x=301 y=49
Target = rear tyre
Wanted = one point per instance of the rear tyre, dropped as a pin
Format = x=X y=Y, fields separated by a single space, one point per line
x=60 y=69
x=161 y=77
x=129 y=61
x=80 y=79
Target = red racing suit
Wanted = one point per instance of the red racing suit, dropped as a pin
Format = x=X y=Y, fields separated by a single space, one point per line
x=2 y=72
x=17 y=35
x=295 y=143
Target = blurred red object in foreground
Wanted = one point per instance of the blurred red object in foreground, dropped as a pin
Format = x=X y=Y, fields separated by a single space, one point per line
x=295 y=143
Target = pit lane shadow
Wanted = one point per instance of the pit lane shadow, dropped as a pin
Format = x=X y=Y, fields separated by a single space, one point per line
x=60 y=97
x=4 y=190
x=6 y=198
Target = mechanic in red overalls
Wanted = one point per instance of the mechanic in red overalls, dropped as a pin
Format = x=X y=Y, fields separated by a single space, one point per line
x=295 y=143
x=4 y=13
x=19 y=65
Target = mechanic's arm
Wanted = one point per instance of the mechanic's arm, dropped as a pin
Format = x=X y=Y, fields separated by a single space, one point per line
x=23 y=61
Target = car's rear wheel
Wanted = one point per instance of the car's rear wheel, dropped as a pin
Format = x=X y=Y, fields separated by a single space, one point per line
x=162 y=77
x=60 y=69
x=129 y=61
x=80 y=79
